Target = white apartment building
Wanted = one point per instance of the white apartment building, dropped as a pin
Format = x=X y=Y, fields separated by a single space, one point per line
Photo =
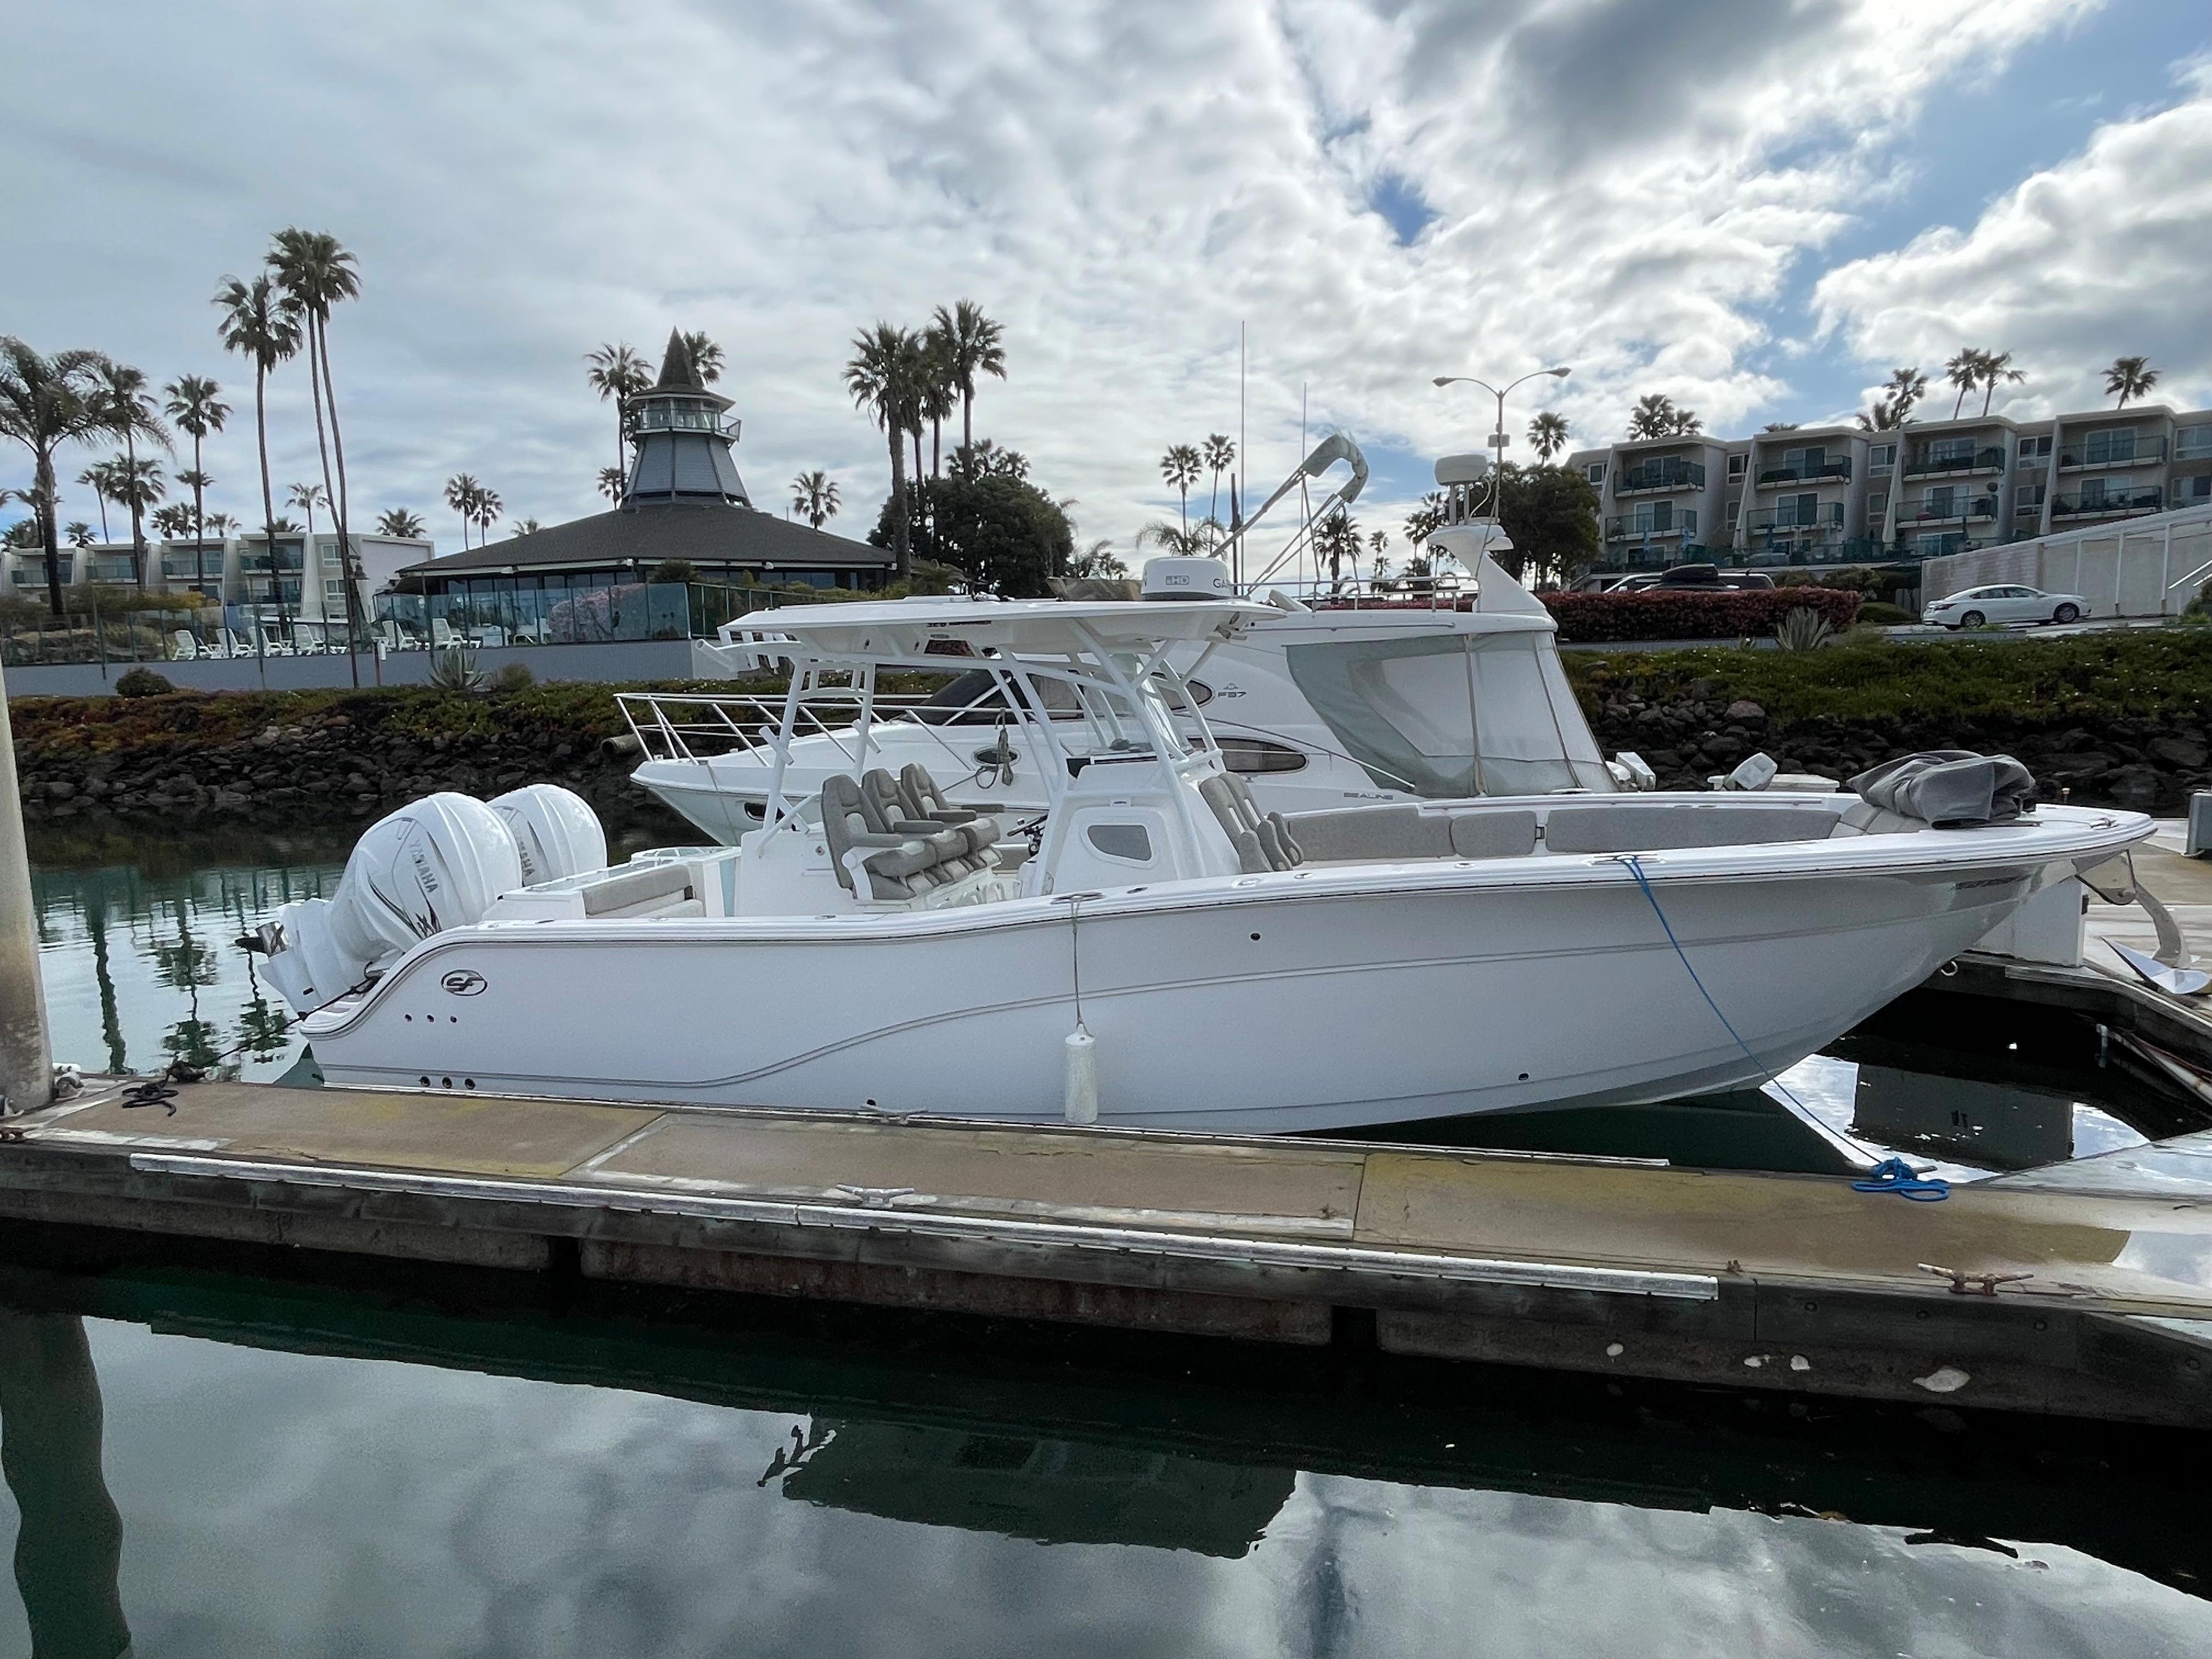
x=306 y=582
x=1836 y=494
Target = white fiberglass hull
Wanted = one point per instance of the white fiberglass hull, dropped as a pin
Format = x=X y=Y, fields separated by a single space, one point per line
x=1319 y=999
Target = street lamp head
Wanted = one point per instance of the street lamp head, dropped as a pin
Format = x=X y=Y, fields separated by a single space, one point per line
x=1560 y=373
x=1445 y=380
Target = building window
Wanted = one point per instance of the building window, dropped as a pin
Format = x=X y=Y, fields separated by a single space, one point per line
x=2035 y=449
x=2197 y=488
x=1736 y=464
x=2193 y=443
x=334 y=592
x=1877 y=504
x=2027 y=498
x=1882 y=455
x=1735 y=506
x=1596 y=471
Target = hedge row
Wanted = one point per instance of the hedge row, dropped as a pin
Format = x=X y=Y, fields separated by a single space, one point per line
x=1675 y=614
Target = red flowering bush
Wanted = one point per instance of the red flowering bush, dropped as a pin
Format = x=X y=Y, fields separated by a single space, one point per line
x=1726 y=613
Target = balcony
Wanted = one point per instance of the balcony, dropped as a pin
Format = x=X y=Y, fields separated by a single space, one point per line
x=1956 y=510
x=1636 y=527
x=1660 y=475
x=2123 y=449
x=1828 y=515
x=1926 y=463
x=2103 y=503
x=1838 y=466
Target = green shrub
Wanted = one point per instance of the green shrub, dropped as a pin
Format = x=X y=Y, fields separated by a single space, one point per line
x=1679 y=614
x=515 y=676
x=142 y=682
x=1886 y=615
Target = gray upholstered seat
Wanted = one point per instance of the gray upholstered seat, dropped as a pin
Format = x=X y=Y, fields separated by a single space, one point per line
x=893 y=815
x=1659 y=825
x=1395 y=834
x=1263 y=841
x=924 y=800
x=897 y=866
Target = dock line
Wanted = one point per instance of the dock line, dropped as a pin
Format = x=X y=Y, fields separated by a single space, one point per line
x=789 y=1212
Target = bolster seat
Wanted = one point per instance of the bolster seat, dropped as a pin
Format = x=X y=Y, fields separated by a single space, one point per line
x=1659 y=826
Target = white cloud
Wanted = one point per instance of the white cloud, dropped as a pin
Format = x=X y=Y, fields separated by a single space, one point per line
x=1617 y=184
x=2100 y=257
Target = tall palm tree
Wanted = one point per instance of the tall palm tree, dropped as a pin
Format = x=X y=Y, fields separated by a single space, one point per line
x=1963 y=371
x=2130 y=377
x=486 y=513
x=705 y=357
x=1220 y=455
x=617 y=374
x=401 y=524
x=173 y=522
x=79 y=533
x=462 y=494
x=612 y=481
x=1180 y=467
x=221 y=523
x=195 y=517
x=1179 y=540
x=814 y=497
x=1547 y=435
x=526 y=527
x=940 y=393
x=97 y=478
x=1996 y=367
x=975 y=345
x=129 y=412
x=317 y=273
x=256 y=326
x=199 y=413
x=139 y=486
x=883 y=376
x=44 y=403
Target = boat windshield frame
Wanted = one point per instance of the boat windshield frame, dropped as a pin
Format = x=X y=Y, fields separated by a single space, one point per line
x=1130 y=697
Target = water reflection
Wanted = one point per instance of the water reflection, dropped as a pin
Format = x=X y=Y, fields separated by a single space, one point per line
x=306 y=1468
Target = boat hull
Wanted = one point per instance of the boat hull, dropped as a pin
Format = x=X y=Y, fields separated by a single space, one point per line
x=1262 y=1005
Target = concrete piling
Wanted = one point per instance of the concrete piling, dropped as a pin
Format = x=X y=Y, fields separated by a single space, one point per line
x=27 y=1070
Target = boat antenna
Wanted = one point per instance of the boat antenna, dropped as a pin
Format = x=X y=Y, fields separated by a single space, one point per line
x=1237 y=570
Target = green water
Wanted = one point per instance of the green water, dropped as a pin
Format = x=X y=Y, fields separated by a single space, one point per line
x=204 y=1457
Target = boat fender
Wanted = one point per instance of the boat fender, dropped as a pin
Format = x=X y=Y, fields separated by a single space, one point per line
x=1079 y=1101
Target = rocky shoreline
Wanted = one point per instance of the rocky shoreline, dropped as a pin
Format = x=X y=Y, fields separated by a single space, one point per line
x=283 y=761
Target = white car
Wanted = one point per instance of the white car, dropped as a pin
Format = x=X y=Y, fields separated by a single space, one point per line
x=1979 y=606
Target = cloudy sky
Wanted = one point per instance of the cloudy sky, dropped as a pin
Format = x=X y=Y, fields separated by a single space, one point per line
x=1755 y=206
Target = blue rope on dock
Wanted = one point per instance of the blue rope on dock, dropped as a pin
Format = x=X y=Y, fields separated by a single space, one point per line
x=1894 y=1175
x=1636 y=869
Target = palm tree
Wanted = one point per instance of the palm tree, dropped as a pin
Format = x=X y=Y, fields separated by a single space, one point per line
x=612 y=481
x=1337 y=540
x=975 y=345
x=1220 y=455
x=221 y=523
x=401 y=524
x=2130 y=377
x=883 y=375
x=79 y=533
x=140 y=487
x=256 y=326
x=97 y=478
x=462 y=492
x=1654 y=416
x=1903 y=390
x=172 y=522
x=1547 y=435
x=526 y=527
x=1996 y=367
x=1963 y=371
x=307 y=497
x=1179 y=540
x=198 y=412
x=814 y=497
x=486 y=513
x=617 y=373
x=705 y=357
x=316 y=274
x=1180 y=467
x=129 y=413
x=941 y=392
x=44 y=403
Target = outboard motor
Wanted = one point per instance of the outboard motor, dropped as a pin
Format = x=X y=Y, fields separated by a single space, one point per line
x=437 y=863
x=554 y=830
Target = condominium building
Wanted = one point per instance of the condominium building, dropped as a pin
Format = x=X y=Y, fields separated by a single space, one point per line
x=1835 y=495
x=305 y=583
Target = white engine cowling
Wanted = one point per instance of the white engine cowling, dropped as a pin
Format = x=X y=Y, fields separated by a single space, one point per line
x=437 y=863
x=554 y=830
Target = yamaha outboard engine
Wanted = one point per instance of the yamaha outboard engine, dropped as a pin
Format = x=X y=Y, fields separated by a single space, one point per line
x=555 y=832
x=437 y=863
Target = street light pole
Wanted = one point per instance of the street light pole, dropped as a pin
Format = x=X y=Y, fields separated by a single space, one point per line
x=1498 y=436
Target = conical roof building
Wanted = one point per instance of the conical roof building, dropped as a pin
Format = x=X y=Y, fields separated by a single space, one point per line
x=683 y=502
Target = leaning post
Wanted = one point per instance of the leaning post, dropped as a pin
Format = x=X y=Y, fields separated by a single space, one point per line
x=26 y=1068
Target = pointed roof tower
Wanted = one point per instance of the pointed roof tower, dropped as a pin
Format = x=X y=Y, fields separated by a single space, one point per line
x=683 y=444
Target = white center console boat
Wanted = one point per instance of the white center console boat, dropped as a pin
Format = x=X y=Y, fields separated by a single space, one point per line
x=1151 y=944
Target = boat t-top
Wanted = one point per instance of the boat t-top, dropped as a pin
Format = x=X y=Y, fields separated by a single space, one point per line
x=1153 y=946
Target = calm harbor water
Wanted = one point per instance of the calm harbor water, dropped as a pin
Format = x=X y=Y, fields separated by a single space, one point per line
x=204 y=1461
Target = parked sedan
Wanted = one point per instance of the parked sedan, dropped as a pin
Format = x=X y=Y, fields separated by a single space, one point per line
x=1979 y=606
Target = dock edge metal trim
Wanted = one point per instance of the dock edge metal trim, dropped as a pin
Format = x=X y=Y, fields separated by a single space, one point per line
x=1564 y=1276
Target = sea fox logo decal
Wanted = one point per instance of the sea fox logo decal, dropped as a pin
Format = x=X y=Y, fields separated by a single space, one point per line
x=464 y=982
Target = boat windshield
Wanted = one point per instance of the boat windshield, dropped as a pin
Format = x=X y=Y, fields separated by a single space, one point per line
x=974 y=698
x=1454 y=715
